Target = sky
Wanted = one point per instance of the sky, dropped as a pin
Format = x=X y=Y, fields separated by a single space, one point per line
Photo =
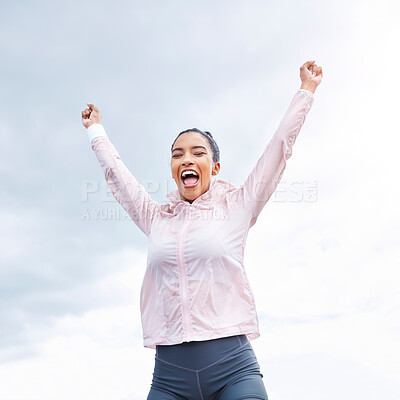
x=323 y=258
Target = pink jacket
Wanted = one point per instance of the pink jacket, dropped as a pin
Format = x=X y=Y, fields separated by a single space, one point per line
x=195 y=286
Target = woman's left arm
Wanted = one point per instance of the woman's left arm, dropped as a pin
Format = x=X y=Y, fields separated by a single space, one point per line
x=266 y=175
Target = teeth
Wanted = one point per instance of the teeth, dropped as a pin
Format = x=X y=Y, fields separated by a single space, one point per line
x=187 y=172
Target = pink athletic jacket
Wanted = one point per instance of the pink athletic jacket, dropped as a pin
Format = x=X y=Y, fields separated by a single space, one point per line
x=195 y=286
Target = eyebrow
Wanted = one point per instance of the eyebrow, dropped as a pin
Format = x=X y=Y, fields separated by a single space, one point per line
x=193 y=147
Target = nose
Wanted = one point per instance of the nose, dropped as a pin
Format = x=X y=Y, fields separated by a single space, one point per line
x=187 y=160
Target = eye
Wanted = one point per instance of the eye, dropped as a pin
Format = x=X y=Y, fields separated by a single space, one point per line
x=176 y=155
x=199 y=154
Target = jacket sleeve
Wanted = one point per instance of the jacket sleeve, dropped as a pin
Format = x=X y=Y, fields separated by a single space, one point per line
x=266 y=175
x=132 y=196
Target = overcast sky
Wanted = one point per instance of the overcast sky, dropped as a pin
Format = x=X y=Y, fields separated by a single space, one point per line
x=323 y=258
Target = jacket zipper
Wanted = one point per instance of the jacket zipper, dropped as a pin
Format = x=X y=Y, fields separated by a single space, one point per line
x=183 y=284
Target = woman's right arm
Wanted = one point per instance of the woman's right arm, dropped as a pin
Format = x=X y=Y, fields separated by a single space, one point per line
x=132 y=196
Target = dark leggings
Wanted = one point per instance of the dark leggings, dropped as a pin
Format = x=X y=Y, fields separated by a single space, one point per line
x=218 y=369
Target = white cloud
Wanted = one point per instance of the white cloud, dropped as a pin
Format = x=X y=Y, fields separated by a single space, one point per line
x=100 y=350
x=98 y=355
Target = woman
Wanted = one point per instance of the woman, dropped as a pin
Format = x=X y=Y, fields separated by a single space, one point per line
x=197 y=308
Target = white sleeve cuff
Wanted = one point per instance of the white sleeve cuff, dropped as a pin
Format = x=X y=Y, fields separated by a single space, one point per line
x=94 y=131
x=305 y=90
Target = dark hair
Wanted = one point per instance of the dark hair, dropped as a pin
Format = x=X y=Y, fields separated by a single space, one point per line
x=211 y=141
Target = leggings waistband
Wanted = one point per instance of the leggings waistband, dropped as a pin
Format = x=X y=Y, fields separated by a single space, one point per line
x=198 y=354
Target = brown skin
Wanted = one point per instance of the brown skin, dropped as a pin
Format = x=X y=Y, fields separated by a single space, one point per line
x=201 y=159
x=191 y=157
x=90 y=116
x=311 y=76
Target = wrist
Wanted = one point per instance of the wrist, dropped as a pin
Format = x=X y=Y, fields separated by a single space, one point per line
x=312 y=87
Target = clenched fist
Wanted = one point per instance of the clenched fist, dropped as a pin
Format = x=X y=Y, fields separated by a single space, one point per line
x=311 y=76
x=90 y=116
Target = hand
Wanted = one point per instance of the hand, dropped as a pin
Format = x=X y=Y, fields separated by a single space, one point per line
x=311 y=76
x=90 y=116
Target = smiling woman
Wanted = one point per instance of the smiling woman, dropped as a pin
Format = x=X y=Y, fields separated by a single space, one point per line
x=197 y=307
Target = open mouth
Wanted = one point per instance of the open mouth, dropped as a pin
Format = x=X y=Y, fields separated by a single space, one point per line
x=190 y=178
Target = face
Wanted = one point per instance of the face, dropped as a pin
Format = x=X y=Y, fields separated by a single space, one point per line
x=192 y=152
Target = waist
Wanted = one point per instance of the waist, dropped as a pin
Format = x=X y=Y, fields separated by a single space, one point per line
x=197 y=354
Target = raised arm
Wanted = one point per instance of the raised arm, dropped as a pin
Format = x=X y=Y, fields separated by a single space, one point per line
x=266 y=175
x=132 y=196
